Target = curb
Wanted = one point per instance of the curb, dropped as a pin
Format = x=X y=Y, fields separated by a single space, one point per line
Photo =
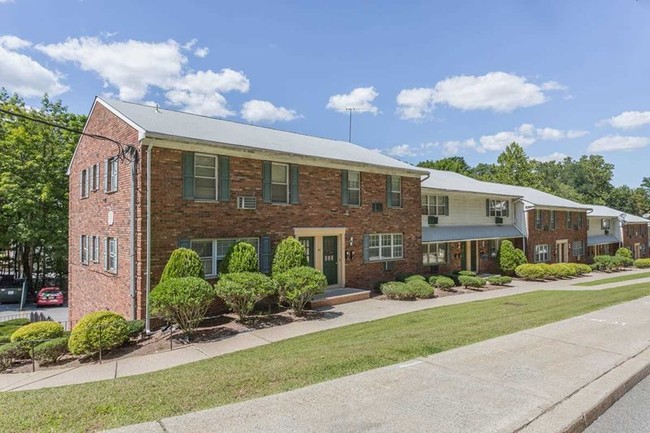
x=582 y=408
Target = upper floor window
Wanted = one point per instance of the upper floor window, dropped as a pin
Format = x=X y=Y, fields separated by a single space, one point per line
x=580 y=219
x=354 y=188
x=538 y=219
x=435 y=253
x=279 y=183
x=541 y=253
x=84 y=183
x=569 y=222
x=386 y=246
x=435 y=205
x=94 y=177
x=553 y=220
x=110 y=254
x=605 y=224
x=394 y=191
x=205 y=177
x=110 y=174
x=497 y=208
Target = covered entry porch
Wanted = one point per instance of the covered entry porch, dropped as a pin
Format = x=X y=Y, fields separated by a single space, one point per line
x=325 y=249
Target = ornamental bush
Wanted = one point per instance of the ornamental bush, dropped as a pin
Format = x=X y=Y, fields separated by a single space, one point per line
x=183 y=263
x=242 y=290
x=468 y=281
x=241 y=257
x=467 y=273
x=401 y=291
x=444 y=283
x=582 y=269
x=11 y=352
x=100 y=329
x=609 y=263
x=421 y=289
x=415 y=278
x=497 y=280
x=642 y=263
x=510 y=257
x=290 y=253
x=36 y=332
x=51 y=351
x=432 y=279
x=530 y=271
x=136 y=327
x=561 y=270
x=183 y=301
x=624 y=252
x=297 y=286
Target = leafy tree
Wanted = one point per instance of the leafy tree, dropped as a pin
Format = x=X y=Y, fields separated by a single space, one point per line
x=241 y=257
x=510 y=257
x=590 y=177
x=290 y=253
x=183 y=263
x=456 y=164
x=514 y=168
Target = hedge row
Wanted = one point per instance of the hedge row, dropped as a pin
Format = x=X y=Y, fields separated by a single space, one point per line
x=543 y=271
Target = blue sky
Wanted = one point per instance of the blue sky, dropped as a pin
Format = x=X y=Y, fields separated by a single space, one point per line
x=433 y=79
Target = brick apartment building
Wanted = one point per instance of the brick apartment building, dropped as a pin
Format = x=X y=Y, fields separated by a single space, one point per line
x=610 y=229
x=203 y=183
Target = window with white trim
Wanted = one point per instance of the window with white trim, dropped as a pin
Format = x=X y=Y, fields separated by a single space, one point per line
x=395 y=191
x=110 y=177
x=435 y=253
x=110 y=255
x=354 y=188
x=538 y=219
x=279 y=183
x=213 y=251
x=83 y=249
x=205 y=177
x=435 y=205
x=605 y=224
x=499 y=208
x=553 y=221
x=493 y=248
x=541 y=253
x=94 y=177
x=94 y=249
x=569 y=222
x=578 y=248
x=385 y=246
x=84 y=183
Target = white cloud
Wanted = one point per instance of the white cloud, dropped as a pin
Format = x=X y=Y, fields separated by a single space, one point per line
x=207 y=104
x=555 y=156
x=629 y=120
x=553 y=85
x=612 y=143
x=550 y=134
x=576 y=134
x=501 y=140
x=6 y=1
x=12 y=42
x=201 y=52
x=496 y=91
x=360 y=99
x=453 y=147
x=264 y=111
x=22 y=74
x=401 y=150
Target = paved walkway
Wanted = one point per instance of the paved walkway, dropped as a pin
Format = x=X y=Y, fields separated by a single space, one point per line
x=538 y=380
x=341 y=315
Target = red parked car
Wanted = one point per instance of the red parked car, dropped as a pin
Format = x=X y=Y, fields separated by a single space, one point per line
x=49 y=296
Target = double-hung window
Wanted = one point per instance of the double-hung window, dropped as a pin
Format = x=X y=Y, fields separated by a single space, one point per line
x=498 y=208
x=94 y=249
x=213 y=251
x=538 y=219
x=435 y=253
x=110 y=255
x=541 y=253
x=205 y=177
x=83 y=249
x=110 y=174
x=580 y=223
x=94 y=177
x=279 y=183
x=84 y=183
x=493 y=248
x=435 y=205
x=552 y=223
x=569 y=222
x=388 y=246
x=394 y=186
x=354 y=188
x=578 y=248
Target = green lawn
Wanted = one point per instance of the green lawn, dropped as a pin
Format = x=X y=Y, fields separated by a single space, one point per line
x=293 y=363
x=616 y=279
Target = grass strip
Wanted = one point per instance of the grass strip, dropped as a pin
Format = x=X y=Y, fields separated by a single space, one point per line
x=293 y=363
x=617 y=279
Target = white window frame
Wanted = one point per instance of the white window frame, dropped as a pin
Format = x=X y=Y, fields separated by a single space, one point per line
x=432 y=249
x=83 y=249
x=432 y=205
x=493 y=245
x=110 y=253
x=84 y=183
x=288 y=184
x=94 y=249
x=503 y=212
x=578 y=251
x=379 y=242
x=552 y=223
x=111 y=175
x=351 y=174
x=394 y=191
x=216 y=257
x=541 y=253
x=94 y=178
x=540 y=220
x=605 y=224
x=216 y=176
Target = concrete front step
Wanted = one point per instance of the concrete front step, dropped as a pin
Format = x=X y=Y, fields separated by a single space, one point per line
x=339 y=296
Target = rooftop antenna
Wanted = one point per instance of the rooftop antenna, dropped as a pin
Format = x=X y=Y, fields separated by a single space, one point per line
x=351 y=109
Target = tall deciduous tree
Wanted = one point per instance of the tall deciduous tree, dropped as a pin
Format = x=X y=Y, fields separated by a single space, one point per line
x=456 y=164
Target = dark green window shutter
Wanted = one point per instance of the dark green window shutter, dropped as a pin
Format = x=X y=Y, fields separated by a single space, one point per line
x=224 y=178
x=265 y=255
x=366 y=248
x=345 y=193
x=487 y=207
x=188 y=175
x=389 y=183
x=184 y=243
x=266 y=181
x=446 y=205
x=293 y=180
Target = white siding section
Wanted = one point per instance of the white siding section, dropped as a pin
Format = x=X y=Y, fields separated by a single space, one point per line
x=595 y=228
x=520 y=217
x=467 y=209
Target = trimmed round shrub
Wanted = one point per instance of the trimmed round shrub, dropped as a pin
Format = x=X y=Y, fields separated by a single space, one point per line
x=421 y=289
x=510 y=257
x=530 y=271
x=297 y=286
x=414 y=278
x=432 y=279
x=561 y=270
x=497 y=280
x=582 y=269
x=51 y=351
x=36 y=332
x=14 y=322
x=468 y=281
x=104 y=329
x=183 y=263
x=183 y=301
x=397 y=290
x=290 y=253
x=467 y=273
x=624 y=252
x=11 y=352
x=444 y=283
x=609 y=263
x=242 y=290
x=136 y=327
x=642 y=263
x=241 y=257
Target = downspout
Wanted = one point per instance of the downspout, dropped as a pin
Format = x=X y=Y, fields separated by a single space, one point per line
x=148 y=269
x=134 y=174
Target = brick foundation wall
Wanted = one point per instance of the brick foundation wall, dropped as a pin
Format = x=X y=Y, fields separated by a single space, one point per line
x=550 y=236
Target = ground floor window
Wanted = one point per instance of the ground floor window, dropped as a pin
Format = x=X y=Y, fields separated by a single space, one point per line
x=84 y=250
x=385 y=246
x=435 y=253
x=578 y=248
x=541 y=253
x=493 y=248
x=94 y=249
x=213 y=251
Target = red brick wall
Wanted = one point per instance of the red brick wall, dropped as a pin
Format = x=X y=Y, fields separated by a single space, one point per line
x=633 y=234
x=90 y=287
x=550 y=236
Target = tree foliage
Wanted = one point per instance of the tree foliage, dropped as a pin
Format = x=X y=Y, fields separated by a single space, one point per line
x=510 y=257
x=241 y=257
x=456 y=164
x=183 y=263
x=290 y=253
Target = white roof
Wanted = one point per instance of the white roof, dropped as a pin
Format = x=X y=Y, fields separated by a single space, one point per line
x=177 y=125
x=608 y=212
x=536 y=198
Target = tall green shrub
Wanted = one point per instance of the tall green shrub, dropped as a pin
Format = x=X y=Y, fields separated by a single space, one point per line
x=290 y=253
x=297 y=286
x=241 y=257
x=510 y=257
x=242 y=290
x=624 y=252
x=183 y=301
x=183 y=263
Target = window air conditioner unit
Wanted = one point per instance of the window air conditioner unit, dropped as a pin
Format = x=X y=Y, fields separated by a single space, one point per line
x=246 y=203
x=377 y=207
x=606 y=232
x=498 y=220
x=432 y=220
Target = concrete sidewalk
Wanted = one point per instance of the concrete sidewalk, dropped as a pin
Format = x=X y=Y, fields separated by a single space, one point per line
x=552 y=375
x=340 y=315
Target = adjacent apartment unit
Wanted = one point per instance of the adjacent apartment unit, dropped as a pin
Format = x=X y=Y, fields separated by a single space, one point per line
x=173 y=179
x=610 y=229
